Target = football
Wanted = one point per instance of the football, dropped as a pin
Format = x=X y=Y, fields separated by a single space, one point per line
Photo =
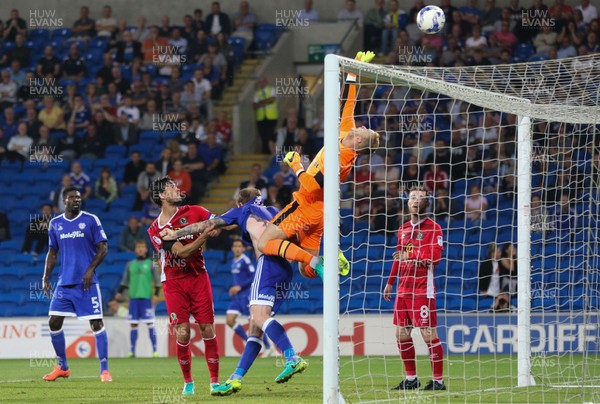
x=431 y=19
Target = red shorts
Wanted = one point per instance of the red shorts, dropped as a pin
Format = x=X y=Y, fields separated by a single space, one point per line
x=189 y=295
x=417 y=311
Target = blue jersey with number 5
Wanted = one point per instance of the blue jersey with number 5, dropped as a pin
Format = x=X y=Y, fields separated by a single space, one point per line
x=75 y=241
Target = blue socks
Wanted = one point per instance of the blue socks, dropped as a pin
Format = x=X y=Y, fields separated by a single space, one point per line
x=277 y=334
x=102 y=348
x=239 y=330
x=152 y=332
x=251 y=351
x=58 y=342
x=133 y=335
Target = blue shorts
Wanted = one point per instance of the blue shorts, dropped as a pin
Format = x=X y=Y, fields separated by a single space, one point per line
x=73 y=301
x=140 y=311
x=240 y=303
x=273 y=275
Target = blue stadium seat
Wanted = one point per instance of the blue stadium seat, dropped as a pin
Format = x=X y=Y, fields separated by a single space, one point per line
x=238 y=45
x=63 y=33
x=12 y=297
x=264 y=40
x=161 y=309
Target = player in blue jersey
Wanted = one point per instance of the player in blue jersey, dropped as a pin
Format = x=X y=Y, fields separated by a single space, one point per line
x=81 y=242
x=272 y=274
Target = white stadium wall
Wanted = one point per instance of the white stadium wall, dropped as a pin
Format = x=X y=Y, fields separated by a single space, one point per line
x=28 y=338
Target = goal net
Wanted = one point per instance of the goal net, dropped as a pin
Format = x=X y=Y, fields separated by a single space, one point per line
x=511 y=155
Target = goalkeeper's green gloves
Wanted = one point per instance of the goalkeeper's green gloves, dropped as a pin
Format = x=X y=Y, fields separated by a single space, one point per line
x=293 y=160
x=364 y=56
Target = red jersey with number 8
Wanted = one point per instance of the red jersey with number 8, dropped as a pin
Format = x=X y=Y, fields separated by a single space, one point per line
x=424 y=244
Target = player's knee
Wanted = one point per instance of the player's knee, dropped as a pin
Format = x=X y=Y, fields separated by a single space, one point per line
x=255 y=330
x=96 y=325
x=55 y=323
x=207 y=330
x=182 y=334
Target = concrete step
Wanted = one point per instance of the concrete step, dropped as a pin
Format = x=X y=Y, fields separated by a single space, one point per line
x=216 y=207
x=223 y=200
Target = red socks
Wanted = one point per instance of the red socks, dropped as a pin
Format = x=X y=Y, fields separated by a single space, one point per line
x=211 y=352
x=185 y=361
x=407 y=353
x=436 y=356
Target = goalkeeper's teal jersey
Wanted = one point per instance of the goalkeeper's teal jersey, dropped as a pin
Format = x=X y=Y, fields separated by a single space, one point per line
x=140 y=277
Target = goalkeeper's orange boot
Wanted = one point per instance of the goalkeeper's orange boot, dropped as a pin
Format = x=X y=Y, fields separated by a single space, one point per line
x=56 y=373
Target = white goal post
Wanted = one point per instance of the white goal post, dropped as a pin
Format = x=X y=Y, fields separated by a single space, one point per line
x=534 y=96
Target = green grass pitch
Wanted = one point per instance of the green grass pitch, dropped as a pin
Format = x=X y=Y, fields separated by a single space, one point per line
x=473 y=379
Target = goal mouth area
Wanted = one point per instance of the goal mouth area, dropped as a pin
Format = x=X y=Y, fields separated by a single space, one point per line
x=526 y=89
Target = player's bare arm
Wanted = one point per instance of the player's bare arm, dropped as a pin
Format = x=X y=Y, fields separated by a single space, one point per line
x=88 y=277
x=48 y=268
x=195 y=228
x=186 y=250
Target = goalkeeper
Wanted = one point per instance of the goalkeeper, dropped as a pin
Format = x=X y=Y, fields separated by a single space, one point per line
x=295 y=233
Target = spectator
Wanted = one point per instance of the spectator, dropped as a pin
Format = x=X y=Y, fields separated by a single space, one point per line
x=489 y=16
x=107 y=25
x=44 y=144
x=476 y=41
x=475 y=205
x=150 y=211
x=80 y=114
x=223 y=126
x=392 y=25
x=131 y=111
x=284 y=192
x=91 y=146
x=436 y=177
x=123 y=85
x=84 y=27
x=17 y=75
x=197 y=47
x=52 y=115
x=130 y=234
x=188 y=31
x=152 y=44
x=141 y=31
x=182 y=178
x=449 y=11
x=308 y=13
x=508 y=278
x=193 y=164
x=217 y=22
x=179 y=42
x=19 y=146
x=49 y=64
x=545 y=40
x=441 y=207
x=143 y=185
x=350 y=13
x=73 y=66
x=287 y=136
x=588 y=11
x=8 y=90
x=212 y=155
x=305 y=144
x=105 y=72
x=20 y=52
x=148 y=120
x=490 y=181
x=255 y=180
x=81 y=180
x=14 y=26
x=244 y=22
x=561 y=10
x=68 y=144
x=505 y=37
x=288 y=176
x=115 y=309
x=106 y=187
x=165 y=163
x=128 y=49
x=133 y=168
x=37 y=232
x=564 y=214
x=199 y=20
x=58 y=205
x=504 y=16
x=489 y=272
x=10 y=124
x=4 y=223
x=265 y=105
x=191 y=95
x=471 y=12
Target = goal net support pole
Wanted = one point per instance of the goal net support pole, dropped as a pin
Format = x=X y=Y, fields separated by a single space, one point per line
x=524 y=252
x=331 y=303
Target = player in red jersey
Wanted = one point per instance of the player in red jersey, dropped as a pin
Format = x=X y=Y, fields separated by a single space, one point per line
x=185 y=281
x=419 y=249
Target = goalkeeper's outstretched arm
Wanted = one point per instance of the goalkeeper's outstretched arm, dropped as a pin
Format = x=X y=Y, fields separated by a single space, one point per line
x=349 y=97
